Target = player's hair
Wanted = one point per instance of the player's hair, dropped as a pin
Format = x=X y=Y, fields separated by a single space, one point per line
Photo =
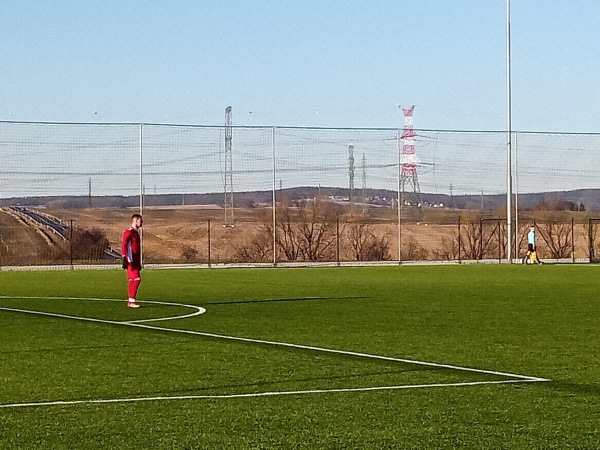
x=136 y=216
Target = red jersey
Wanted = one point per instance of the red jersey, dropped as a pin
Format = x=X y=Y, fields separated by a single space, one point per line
x=131 y=247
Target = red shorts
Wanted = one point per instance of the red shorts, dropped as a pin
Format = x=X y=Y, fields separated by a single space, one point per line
x=132 y=274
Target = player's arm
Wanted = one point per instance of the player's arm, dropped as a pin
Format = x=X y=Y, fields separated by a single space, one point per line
x=124 y=242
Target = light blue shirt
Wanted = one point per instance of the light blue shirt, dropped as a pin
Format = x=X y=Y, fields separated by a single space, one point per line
x=531 y=237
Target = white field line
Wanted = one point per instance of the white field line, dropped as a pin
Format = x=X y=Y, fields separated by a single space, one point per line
x=281 y=344
x=259 y=394
x=342 y=352
x=514 y=378
x=199 y=309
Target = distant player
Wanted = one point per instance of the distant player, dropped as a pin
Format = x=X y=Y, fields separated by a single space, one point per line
x=531 y=256
x=131 y=250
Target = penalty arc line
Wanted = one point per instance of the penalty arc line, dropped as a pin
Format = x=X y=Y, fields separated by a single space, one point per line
x=199 y=309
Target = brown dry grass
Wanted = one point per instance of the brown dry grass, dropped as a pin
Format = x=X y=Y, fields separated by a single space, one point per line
x=19 y=242
x=182 y=234
x=168 y=233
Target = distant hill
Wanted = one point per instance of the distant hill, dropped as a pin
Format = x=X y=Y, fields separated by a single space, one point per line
x=590 y=198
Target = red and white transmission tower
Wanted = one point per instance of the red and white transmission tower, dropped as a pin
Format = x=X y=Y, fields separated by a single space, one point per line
x=410 y=193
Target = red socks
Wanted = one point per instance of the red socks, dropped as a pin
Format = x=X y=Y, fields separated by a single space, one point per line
x=133 y=286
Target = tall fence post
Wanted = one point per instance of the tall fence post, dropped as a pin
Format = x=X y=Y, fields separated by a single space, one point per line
x=591 y=251
x=459 y=242
x=536 y=239
x=337 y=240
x=71 y=241
x=399 y=235
x=480 y=256
x=573 y=239
x=208 y=235
x=499 y=244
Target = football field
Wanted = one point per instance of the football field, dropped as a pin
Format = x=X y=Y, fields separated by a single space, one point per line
x=423 y=357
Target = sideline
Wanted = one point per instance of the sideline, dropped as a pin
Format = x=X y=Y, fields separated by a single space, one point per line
x=261 y=394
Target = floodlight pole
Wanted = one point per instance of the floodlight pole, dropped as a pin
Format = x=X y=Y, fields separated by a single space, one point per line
x=141 y=186
x=399 y=200
x=274 y=199
x=509 y=141
x=228 y=170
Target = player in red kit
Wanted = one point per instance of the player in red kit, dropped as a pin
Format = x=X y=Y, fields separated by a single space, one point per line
x=131 y=250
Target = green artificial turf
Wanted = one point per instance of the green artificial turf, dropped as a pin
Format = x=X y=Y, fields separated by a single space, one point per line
x=197 y=386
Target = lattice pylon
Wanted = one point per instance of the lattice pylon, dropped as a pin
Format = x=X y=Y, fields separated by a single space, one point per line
x=410 y=191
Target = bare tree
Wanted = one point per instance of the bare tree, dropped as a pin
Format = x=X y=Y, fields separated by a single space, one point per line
x=316 y=230
x=448 y=250
x=258 y=249
x=413 y=251
x=365 y=245
x=557 y=236
x=303 y=230
x=591 y=240
x=88 y=244
x=479 y=238
x=358 y=236
x=470 y=240
x=286 y=238
x=188 y=252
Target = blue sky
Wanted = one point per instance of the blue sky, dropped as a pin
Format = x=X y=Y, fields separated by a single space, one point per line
x=327 y=63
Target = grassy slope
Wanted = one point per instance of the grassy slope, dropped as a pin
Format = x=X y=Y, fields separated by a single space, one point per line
x=538 y=321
